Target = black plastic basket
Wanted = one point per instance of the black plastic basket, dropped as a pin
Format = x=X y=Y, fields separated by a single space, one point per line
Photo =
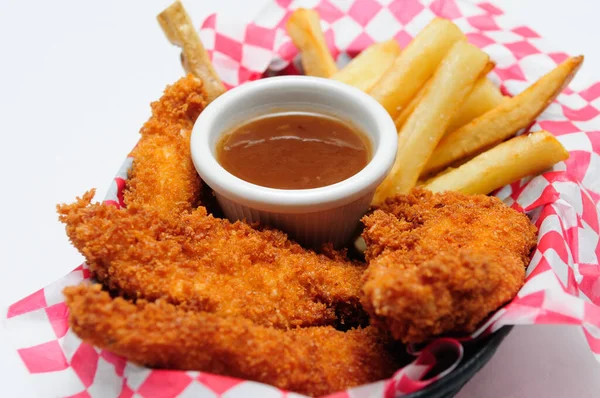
x=477 y=354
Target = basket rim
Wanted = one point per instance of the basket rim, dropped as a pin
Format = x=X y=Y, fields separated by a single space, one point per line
x=450 y=384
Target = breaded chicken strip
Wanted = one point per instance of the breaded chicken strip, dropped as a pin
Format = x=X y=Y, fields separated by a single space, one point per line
x=211 y=264
x=163 y=175
x=442 y=263
x=314 y=361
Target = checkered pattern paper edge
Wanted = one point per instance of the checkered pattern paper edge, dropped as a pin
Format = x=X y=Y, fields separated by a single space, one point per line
x=563 y=279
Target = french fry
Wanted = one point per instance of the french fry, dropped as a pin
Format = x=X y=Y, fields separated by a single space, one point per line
x=415 y=65
x=506 y=163
x=304 y=28
x=179 y=29
x=449 y=86
x=368 y=66
x=488 y=68
x=470 y=106
x=504 y=120
x=484 y=97
x=410 y=108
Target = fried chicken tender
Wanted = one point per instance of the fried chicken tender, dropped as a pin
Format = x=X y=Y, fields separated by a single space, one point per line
x=212 y=295
x=163 y=174
x=314 y=361
x=211 y=264
x=441 y=263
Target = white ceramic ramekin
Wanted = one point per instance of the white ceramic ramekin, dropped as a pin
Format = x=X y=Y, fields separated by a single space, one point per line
x=311 y=216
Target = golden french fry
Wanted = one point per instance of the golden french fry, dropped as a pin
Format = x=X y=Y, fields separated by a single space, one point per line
x=506 y=163
x=415 y=65
x=449 y=86
x=488 y=68
x=484 y=97
x=410 y=108
x=304 y=28
x=368 y=66
x=479 y=98
x=423 y=182
x=504 y=120
x=177 y=26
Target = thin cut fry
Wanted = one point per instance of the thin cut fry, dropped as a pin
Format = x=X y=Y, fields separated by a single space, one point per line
x=415 y=65
x=504 y=164
x=503 y=121
x=449 y=86
x=484 y=97
x=304 y=28
x=179 y=29
x=368 y=67
x=479 y=100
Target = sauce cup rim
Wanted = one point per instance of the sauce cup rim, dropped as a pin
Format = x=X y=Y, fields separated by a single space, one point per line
x=293 y=200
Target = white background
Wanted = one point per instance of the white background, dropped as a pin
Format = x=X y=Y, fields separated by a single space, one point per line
x=76 y=80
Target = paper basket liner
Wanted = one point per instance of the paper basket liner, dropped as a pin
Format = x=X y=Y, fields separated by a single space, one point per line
x=562 y=286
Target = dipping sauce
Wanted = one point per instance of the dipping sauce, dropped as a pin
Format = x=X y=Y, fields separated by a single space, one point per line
x=294 y=150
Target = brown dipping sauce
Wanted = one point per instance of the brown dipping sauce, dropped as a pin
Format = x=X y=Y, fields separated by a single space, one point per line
x=294 y=150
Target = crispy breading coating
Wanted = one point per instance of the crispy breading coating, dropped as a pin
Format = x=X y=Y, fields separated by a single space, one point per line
x=211 y=264
x=163 y=174
x=209 y=294
x=314 y=361
x=442 y=263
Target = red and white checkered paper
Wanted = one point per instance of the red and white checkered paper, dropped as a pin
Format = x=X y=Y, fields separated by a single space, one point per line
x=563 y=279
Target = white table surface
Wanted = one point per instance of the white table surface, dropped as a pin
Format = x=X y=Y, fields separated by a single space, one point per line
x=76 y=80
